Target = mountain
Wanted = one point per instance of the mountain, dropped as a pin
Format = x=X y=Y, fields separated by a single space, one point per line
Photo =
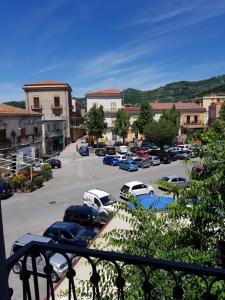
x=20 y=104
x=177 y=91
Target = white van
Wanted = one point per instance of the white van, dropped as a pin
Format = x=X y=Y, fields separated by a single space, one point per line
x=100 y=200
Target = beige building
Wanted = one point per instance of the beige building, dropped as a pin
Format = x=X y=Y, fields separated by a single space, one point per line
x=206 y=101
x=20 y=132
x=214 y=111
x=192 y=115
x=111 y=100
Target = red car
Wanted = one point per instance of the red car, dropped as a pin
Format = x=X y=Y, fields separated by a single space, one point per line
x=143 y=154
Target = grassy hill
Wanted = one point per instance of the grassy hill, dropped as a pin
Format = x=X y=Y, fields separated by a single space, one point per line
x=20 y=104
x=177 y=91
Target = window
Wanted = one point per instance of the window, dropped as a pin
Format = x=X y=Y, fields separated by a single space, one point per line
x=23 y=132
x=96 y=202
x=66 y=235
x=174 y=180
x=35 y=131
x=56 y=102
x=36 y=102
x=195 y=119
x=2 y=134
x=57 y=114
x=188 y=120
x=113 y=106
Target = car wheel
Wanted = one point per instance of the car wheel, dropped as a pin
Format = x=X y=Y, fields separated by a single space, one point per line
x=151 y=192
x=54 y=276
x=17 y=268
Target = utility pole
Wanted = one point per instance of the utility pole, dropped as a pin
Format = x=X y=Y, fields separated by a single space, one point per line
x=4 y=288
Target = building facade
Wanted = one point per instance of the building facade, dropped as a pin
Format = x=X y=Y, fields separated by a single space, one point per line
x=214 y=111
x=206 y=101
x=111 y=100
x=52 y=99
x=20 y=132
x=192 y=115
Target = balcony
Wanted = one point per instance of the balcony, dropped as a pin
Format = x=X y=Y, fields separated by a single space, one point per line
x=57 y=109
x=37 y=108
x=193 y=124
x=154 y=278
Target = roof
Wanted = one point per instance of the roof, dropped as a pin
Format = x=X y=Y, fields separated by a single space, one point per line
x=6 y=109
x=98 y=193
x=48 y=82
x=161 y=106
x=132 y=183
x=28 y=237
x=64 y=225
x=104 y=92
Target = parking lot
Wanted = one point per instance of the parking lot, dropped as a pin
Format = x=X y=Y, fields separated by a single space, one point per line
x=34 y=212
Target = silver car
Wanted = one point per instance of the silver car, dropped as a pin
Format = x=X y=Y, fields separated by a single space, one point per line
x=142 y=162
x=57 y=260
x=154 y=160
x=177 y=180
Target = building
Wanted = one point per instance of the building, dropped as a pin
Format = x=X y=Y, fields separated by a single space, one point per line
x=192 y=115
x=206 y=101
x=52 y=99
x=214 y=111
x=20 y=132
x=111 y=100
x=77 y=121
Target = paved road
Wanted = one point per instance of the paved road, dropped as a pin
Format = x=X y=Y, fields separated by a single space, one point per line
x=33 y=212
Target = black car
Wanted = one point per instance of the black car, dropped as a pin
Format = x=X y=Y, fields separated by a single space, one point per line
x=69 y=233
x=135 y=149
x=84 y=215
x=110 y=150
x=54 y=163
x=100 y=152
x=165 y=158
x=5 y=190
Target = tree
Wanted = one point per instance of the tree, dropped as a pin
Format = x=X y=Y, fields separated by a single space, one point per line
x=122 y=124
x=173 y=116
x=161 y=133
x=222 y=113
x=95 y=122
x=145 y=117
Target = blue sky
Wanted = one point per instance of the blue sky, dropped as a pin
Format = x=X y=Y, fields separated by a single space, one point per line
x=100 y=44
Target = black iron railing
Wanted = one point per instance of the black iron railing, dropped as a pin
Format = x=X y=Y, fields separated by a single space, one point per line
x=174 y=276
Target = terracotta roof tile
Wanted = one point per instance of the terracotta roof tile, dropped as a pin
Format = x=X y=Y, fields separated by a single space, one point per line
x=48 y=82
x=105 y=92
x=12 y=110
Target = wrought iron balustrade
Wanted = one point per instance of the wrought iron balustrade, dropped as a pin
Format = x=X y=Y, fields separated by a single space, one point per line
x=150 y=276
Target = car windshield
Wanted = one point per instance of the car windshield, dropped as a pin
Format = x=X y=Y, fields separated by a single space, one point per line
x=107 y=200
x=77 y=231
x=125 y=189
x=166 y=178
x=133 y=163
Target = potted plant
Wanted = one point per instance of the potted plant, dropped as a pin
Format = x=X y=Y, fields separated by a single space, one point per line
x=18 y=182
x=38 y=182
x=46 y=172
x=29 y=187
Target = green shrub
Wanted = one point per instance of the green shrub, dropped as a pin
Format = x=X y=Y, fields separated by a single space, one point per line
x=46 y=171
x=18 y=181
x=37 y=181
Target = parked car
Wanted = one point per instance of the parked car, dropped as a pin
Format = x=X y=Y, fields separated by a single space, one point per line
x=100 y=152
x=183 y=154
x=55 y=163
x=84 y=151
x=154 y=160
x=177 y=180
x=121 y=157
x=110 y=150
x=134 y=149
x=69 y=233
x=134 y=188
x=100 y=200
x=111 y=160
x=86 y=216
x=142 y=162
x=5 y=190
x=131 y=155
x=165 y=158
x=56 y=260
x=122 y=149
x=143 y=154
x=128 y=165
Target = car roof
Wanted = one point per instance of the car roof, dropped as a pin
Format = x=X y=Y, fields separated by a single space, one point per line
x=29 y=237
x=98 y=193
x=81 y=208
x=132 y=183
x=64 y=225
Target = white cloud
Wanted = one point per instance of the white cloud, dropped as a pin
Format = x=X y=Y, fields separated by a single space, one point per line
x=50 y=68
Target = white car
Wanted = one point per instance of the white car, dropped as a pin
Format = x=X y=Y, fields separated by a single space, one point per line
x=134 y=188
x=121 y=157
x=100 y=200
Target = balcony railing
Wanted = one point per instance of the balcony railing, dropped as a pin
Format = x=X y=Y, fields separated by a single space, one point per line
x=56 y=107
x=37 y=108
x=174 y=275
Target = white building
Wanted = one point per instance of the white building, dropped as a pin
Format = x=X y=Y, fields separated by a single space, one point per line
x=111 y=100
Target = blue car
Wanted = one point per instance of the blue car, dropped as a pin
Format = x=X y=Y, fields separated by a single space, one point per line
x=128 y=165
x=84 y=151
x=111 y=160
